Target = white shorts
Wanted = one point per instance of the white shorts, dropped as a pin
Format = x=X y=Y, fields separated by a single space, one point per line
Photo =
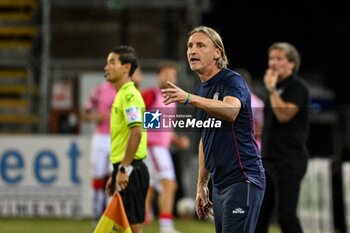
x=160 y=165
x=100 y=150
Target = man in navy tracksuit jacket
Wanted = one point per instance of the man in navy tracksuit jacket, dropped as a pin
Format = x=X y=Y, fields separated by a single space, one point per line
x=229 y=153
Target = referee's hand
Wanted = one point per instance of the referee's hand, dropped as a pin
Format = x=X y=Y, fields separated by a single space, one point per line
x=108 y=189
x=122 y=181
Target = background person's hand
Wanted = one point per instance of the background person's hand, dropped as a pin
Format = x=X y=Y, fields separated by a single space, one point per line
x=270 y=79
x=183 y=142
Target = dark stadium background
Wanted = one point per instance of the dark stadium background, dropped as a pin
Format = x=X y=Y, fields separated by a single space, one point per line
x=321 y=32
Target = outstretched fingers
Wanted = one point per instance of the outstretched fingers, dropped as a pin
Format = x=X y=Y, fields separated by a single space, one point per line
x=173 y=94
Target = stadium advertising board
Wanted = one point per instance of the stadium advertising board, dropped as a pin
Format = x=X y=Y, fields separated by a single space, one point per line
x=315 y=202
x=44 y=176
x=346 y=194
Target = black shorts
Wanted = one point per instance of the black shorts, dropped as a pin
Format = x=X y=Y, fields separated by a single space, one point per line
x=134 y=196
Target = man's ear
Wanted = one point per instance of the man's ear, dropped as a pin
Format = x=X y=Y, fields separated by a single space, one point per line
x=127 y=67
x=217 y=54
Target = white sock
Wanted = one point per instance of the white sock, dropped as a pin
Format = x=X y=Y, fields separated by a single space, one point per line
x=166 y=223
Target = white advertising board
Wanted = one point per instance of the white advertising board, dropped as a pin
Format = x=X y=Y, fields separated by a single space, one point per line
x=315 y=202
x=346 y=194
x=45 y=176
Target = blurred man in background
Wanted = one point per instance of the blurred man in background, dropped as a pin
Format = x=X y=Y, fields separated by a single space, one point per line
x=257 y=106
x=284 y=138
x=137 y=78
x=97 y=109
x=159 y=160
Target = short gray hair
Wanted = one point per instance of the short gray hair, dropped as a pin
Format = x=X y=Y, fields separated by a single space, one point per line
x=291 y=53
x=215 y=37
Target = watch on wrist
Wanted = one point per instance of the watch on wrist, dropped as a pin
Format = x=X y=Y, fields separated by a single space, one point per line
x=122 y=169
x=125 y=169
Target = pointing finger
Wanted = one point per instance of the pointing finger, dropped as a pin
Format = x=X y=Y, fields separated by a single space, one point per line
x=171 y=84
